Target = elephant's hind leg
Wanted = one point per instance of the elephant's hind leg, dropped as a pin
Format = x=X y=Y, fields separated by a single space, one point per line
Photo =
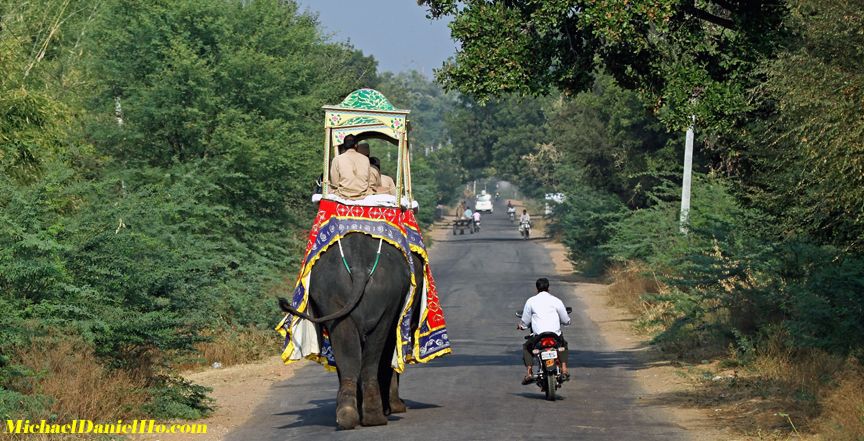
x=373 y=405
x=388 y=379
x=347 y=351
x=396 y=403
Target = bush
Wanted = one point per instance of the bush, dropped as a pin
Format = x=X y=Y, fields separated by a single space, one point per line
x=175 y=397
x=583 y=222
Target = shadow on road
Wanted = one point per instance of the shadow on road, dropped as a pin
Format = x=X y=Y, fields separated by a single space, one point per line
x=491 y=239
x=536 y=395
x=577 y=358
x=467 y=360
x=324 y=411
x=604 y=360
x=323 y=414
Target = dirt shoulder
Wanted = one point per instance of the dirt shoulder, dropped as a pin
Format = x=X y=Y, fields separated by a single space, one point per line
x=237 y=392
x=659 y=380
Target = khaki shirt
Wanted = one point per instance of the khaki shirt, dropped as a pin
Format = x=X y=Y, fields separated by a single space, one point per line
x=387 y=186
x=374 y=179
x=350 y=176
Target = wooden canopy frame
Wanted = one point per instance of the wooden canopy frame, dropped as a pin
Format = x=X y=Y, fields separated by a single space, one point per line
x=366 y=113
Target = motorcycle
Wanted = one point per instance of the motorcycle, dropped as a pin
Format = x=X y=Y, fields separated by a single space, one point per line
x=547 y=365
x=525 y=229
x=476 y=226
x=512 y=214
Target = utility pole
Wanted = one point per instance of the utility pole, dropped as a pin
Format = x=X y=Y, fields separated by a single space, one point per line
x=688 y=177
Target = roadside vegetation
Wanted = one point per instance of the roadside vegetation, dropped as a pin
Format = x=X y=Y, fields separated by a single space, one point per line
x=156 y=164
x=762 y=297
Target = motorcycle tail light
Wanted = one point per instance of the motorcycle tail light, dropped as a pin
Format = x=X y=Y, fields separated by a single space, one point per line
x=548 y=342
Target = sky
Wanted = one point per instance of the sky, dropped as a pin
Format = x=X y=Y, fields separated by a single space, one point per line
x=396 y=32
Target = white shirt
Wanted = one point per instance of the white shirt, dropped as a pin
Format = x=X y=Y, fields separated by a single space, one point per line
x=545 y=312
x=525 y=218
x=476 y=216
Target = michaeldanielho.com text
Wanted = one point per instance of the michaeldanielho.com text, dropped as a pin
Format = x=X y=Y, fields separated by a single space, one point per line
x=23 y=427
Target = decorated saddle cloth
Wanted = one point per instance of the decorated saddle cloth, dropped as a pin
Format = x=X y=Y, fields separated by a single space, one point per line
x=304 y=339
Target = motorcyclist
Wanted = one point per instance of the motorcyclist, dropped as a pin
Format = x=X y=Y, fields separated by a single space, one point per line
x=476 y=218
x=525 y=221
x=511 y=211
x=544 y=313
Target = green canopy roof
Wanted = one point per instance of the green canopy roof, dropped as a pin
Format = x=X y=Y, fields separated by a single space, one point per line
x=366 y=99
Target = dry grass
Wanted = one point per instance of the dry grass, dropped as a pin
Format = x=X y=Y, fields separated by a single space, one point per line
x=79 y=385
x=805 y=373
x=843 y=415
x=628 y=286
x=783 y=393
x=776 y=393
x=235 y=346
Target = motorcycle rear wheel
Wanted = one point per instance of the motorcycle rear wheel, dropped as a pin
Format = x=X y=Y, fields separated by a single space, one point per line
x=551 y=383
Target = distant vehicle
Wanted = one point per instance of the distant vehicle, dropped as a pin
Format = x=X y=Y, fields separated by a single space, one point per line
x=483 y=203
x=552 y=199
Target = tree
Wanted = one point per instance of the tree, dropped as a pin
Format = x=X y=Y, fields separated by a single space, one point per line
x=429 y=105
x=617 y=146
x=492 y=138
x=669 y=50
x=156 y=160
x=805 y=159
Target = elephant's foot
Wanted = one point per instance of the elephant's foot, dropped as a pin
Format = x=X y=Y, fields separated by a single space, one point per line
x=394 y=404
x=397 y=405
x=347 y=416
x=373 y=408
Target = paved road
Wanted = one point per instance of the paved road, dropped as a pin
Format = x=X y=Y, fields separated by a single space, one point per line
x=475 y=393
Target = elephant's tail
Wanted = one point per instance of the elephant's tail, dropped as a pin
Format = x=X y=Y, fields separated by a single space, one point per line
x=358 y=286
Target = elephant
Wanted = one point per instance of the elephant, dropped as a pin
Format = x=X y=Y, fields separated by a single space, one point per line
x=361 y=314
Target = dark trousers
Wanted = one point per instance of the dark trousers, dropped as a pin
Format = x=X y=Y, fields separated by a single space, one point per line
x=528 y=357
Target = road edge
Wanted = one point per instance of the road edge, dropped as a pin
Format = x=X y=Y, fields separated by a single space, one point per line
x=659 y=381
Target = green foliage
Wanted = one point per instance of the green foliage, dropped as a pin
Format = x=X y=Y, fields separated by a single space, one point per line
x=179 y=398
x=809 y=166
x=614 y=143
x=583 y=221
x=774 y=238
x=436 y=174
x=492 y=138
x=669 y=50
x=727 y=272
x=429 y=105
x=156 y=160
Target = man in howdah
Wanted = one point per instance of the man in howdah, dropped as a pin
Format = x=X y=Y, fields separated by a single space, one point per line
x=386 y=186
x=544 y=313
x=349 y=172
x=374 y=173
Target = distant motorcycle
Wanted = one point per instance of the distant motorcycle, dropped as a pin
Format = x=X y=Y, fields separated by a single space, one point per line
x=525 y=229
x=512 y=213
x=549 y=376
